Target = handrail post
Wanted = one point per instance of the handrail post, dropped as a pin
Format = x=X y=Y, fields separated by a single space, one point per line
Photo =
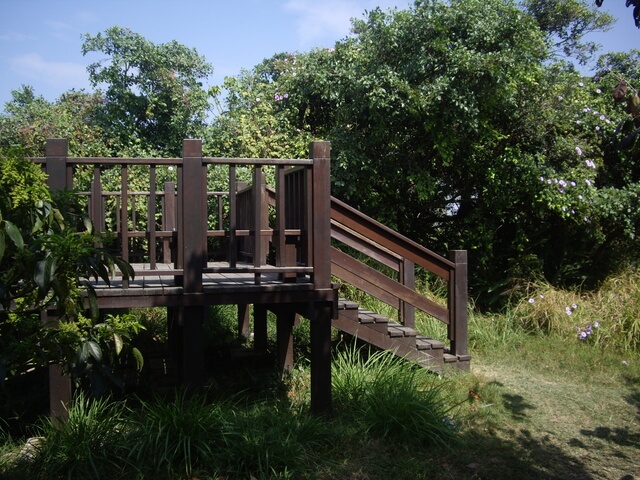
x=321 y=209
x=194 y=248
x=57 y=151
x=60 y=388
x=458 y=303
x=193 y=202
x=408 y=279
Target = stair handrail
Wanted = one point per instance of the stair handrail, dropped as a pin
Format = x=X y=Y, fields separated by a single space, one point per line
x=387 y=246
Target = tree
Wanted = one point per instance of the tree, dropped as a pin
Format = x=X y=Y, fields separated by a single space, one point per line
x=29 y=120
x=566 y=22
x=447 y=122
x=153 y=97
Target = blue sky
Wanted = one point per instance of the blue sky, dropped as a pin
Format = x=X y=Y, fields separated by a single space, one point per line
x=40 y=40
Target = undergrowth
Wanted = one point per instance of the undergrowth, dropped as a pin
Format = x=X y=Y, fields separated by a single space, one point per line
x=390 y=419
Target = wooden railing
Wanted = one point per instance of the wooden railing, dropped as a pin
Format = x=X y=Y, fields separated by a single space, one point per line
x=401 y=255
x=181 y=218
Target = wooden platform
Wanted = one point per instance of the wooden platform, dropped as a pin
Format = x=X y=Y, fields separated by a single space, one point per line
x=221 y=284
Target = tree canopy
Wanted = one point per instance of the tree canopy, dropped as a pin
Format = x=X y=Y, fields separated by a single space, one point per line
x=153 y=95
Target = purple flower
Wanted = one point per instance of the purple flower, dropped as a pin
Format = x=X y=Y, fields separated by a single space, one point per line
x=596 y=324
x=583 y=335
x=579 y=150
x=532 y=301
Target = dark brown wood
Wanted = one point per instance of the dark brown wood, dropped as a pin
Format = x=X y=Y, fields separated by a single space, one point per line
x=459 y=301
x=321 y=315
x=151 y=216
x=169 y=222
x=193 y=199
x=285 y=318
x=408 y=279
x=321 y=204
x=384 y=288
x=390 y=239
x=57 y=150
x=299 y=279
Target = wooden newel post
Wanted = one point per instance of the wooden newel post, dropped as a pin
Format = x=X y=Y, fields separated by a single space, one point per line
x=458 y=307
x=194 y=255
x=57 y=150
x=60 y=389
x=321 y=213
x=321 y=312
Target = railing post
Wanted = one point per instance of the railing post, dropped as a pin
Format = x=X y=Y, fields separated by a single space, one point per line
x=321 y=209
x=60 y=389
x=57 y=150
x=408 y=279
x=458 y=303
x=193 y=202
x=194 y=248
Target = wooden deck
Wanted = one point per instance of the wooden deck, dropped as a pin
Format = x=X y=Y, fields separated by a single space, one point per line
x=221 y=284
x=279 y=247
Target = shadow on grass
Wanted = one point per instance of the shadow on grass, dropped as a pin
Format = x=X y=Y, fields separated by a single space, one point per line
x=516 y=405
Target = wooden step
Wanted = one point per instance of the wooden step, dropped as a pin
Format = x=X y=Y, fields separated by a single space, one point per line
x=387 y=334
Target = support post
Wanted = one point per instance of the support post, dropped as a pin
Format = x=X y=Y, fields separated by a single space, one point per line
x=260 y=327
x=169 y=221
x=321 y=313
x=195 y=258
x=60 y=391
x=284 y=333
x=408 y=279
x=458 y=304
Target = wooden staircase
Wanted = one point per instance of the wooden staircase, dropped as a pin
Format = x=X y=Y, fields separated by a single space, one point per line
x=386 y=334
x=371 y=239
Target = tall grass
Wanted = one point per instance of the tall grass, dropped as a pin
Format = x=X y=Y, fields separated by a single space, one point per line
x=88 y=445
x=608 y=317
x=388 y=397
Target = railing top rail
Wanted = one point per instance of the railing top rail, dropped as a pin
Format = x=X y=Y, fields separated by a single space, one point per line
x=179 y=161
x=257 y=161
x=392 y=240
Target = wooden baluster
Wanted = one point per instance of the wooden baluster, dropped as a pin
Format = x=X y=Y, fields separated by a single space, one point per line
x=151 y=217
x=408 y=279
x=124 y=217
x=169 y=221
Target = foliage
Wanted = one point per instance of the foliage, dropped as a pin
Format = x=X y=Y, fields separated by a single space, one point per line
x=29 y=120
x=153 y=97
x=48 y=254
x=566 y=22
x=456 y=120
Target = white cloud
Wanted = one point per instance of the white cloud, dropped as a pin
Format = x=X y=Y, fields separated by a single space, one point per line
x=322 y=20
x=64 y=75
x=331 y=19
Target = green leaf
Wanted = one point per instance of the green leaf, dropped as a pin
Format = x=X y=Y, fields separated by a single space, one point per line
x=2 y=245
x=94 y=349
x=41 y=275
x=137 y=354
x=117 y=340
x=14 y=234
